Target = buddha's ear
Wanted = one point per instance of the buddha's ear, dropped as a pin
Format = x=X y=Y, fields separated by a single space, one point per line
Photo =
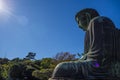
x=88 y=15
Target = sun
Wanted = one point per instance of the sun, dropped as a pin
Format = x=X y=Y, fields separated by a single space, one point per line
x=2 y=6
x=5 y=10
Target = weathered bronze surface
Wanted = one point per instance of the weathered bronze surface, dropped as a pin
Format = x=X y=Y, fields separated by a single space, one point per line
x=101 y=59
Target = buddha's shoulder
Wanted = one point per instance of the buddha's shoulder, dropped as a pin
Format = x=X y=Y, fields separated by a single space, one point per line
x=101 y=19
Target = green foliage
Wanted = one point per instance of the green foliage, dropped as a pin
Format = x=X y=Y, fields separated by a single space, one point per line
x=1 y=70
x=46 y=63
x=17 y=71
x=31 y=69
x=4 y=69
x=43 y=74
x=4 y=60
x=16 y=60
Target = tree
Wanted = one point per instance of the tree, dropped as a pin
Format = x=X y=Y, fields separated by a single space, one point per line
x=46 y=68
x=16 y=60
x=65 y=56
x=46 y=63
x=17 y=71
x=3 y=60
x=1 y=72
x=30 y=55
x=43 y=74
x=5 y=68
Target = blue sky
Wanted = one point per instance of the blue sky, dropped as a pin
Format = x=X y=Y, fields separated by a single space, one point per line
x=47 y=27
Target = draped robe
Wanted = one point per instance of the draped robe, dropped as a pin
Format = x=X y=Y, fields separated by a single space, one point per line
x=101 y=54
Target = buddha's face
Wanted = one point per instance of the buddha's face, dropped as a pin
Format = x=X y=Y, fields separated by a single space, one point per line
x=83 y=21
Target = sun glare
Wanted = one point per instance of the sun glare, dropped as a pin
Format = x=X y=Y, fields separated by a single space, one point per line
x=2 y=6
x=5 y=10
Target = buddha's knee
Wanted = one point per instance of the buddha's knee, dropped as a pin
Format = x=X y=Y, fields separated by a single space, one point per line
x=68 y=69
x=60 y=70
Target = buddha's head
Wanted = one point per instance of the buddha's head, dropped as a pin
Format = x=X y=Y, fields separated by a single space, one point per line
x=84 y=16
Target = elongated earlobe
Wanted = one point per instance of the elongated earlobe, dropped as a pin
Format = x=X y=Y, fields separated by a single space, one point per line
x=88 y=17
